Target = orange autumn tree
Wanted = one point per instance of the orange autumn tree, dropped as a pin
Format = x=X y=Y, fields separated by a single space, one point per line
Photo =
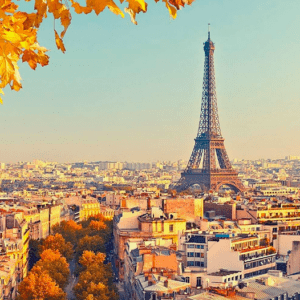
x=93 y=282
x=56 y=266
x=68 y=229
x=57 y=242
x=18 y=29
x=39 y=285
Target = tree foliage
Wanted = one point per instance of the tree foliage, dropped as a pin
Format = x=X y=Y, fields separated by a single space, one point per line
x=97 y=225
x=89 y=258
x=55 y=265
x=68 y=229
x=39 y=285
x=95 y=278
x=90 y=243
x=57 y=242
x=19 y=29
x=90 y=240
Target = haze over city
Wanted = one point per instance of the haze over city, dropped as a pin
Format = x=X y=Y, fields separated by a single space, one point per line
x=132 y=93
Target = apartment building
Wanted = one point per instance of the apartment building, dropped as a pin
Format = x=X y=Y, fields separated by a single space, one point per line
x=246 y=253
x=149 y=224
x=148 y=259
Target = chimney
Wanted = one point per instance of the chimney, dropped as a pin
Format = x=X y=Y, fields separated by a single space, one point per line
x=173 y=247
x=148 y=203
x=166 y=283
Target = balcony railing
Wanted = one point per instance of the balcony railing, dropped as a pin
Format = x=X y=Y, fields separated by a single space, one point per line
x=256 y=256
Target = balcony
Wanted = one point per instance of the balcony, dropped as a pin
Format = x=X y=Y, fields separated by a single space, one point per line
x=267 y=260
x=257 y=256
x=245 y=250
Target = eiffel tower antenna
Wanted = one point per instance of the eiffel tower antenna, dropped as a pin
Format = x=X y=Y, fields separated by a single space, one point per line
x=209 y=31
x=209 y=165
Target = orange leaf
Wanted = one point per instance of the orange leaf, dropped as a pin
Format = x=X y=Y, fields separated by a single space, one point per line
x=41 y=7
x=31 y=57
x=80 y=9
x=135 y=7
x=59 y=43
x=65 y=19
x=30 y=21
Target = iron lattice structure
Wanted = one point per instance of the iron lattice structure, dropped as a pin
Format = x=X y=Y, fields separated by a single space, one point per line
x=209 y=165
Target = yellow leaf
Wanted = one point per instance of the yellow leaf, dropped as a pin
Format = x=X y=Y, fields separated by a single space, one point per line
x=16 y=86
x=1 y=92
x=114 y=8
x=16 y=78
x=36 y=46
x=135 y=7
x=59 y=43
x=172 y=9
x=11 y=36
x=6 y=69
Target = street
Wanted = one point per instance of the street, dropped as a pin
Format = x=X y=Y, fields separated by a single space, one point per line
x=72 y=281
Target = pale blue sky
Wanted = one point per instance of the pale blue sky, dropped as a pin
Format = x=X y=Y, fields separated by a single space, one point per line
x=126 y=92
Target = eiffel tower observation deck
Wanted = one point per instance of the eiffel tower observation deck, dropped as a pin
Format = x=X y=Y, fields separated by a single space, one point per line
x=209 y=165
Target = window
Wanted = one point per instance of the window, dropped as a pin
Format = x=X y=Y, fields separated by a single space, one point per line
x=198 y=281
x=198 y=246
x=187 y=279
x=190 y=246
x=191 y=263
x=202 y=246
x=236 y=277
x=202 y=255
x=197 y=254
x=225 y=280
x=191 y=254
x=171 y=228
x=197 y=263
x=202 y=264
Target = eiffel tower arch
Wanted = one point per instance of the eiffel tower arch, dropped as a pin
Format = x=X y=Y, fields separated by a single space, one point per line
x=209 y=165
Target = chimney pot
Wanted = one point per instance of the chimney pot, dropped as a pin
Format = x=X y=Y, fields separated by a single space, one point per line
x=166 y=283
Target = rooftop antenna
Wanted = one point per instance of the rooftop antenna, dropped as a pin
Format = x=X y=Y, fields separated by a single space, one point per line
x=209 y=31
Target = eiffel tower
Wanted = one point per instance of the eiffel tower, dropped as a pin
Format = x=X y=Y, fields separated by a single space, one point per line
x=209 y=165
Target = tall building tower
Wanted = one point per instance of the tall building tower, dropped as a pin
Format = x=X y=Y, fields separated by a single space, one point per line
x=209 y=165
